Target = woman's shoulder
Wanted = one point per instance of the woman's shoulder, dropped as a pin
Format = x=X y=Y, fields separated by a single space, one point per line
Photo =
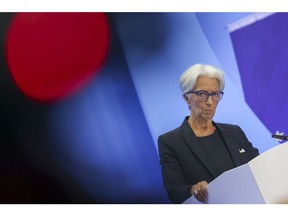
x=228 y=127
x=176 y=132
x=171 y=133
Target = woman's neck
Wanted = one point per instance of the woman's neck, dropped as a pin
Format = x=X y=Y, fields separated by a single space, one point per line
x=201 y=127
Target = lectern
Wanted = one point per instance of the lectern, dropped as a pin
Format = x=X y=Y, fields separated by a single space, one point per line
x=263 y=180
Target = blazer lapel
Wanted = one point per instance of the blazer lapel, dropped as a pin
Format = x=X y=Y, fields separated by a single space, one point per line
x=230 y=144
x=195 y=146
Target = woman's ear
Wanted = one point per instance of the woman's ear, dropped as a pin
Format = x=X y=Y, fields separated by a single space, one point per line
x=186 y=98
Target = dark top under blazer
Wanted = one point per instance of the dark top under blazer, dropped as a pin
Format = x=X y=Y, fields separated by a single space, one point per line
x=184 y=163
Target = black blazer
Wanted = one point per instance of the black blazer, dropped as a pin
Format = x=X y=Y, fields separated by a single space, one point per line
x=184 y=162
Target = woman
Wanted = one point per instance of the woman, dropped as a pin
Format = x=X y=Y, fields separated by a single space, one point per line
x=198 y=151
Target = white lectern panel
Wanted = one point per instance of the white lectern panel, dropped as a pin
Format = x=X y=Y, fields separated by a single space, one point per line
x=270 y=170
x=263 y=180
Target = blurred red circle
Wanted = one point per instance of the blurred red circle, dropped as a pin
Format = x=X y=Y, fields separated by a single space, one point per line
x=52 y=54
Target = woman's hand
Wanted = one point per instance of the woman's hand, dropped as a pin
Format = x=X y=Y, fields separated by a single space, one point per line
x=199 y=191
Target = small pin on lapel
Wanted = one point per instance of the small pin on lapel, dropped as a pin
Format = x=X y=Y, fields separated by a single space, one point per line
x=241 y=150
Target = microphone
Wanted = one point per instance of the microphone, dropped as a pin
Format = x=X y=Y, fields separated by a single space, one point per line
x=281 y=137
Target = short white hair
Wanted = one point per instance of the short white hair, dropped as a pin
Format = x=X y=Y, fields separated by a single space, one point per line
x=187 y=80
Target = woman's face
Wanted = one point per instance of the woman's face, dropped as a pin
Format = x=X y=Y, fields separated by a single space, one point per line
x=204 y=109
